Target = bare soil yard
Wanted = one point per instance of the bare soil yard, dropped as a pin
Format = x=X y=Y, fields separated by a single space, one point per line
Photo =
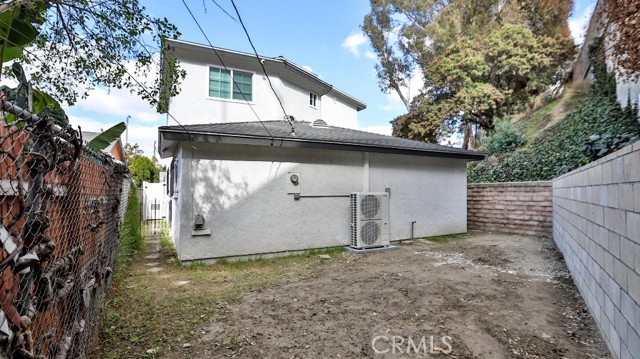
x=486 y=295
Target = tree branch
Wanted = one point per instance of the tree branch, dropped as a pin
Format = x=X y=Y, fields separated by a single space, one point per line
x=66 y=29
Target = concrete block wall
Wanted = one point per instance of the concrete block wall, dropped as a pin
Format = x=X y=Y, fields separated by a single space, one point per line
x=512 y=207
x=596 y=225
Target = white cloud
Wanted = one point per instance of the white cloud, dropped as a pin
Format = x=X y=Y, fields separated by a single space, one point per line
x=104 y=108
x=119 y=103
x=370 y=55
x=578 y=24
x=307 y=68
x=353 y=43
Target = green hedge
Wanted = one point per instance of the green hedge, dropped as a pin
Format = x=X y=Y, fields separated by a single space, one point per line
x=564 y=146
x=131 y=240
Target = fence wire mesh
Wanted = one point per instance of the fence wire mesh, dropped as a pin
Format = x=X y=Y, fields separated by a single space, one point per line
x=61 y=206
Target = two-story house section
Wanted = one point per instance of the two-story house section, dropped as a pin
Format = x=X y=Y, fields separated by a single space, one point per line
x=224 y=86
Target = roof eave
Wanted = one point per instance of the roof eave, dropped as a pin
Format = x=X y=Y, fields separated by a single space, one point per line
x=173 y=136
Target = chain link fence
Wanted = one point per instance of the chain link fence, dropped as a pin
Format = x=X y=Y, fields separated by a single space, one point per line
x=61 y=206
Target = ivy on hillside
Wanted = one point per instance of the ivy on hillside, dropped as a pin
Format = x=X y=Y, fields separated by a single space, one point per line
x=597 y=126
x=559 y=149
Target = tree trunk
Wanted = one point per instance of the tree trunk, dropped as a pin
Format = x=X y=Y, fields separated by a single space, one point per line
x=466 y=129
x=405 y=101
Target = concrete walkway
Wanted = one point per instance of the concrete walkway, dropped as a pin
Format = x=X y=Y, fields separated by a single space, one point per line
x=152 y=234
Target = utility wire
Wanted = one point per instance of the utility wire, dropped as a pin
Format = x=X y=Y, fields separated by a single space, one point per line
x=259 y=61
x=224 y=11
x=226 y=69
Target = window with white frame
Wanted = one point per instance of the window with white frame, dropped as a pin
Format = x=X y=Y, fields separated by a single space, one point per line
x=313 y=98
x=230 y=84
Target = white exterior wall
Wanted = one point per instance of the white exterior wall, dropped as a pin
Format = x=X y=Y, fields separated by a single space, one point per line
x=430 y=191
x=194 y=106
x=337 y=113
x=242 y=193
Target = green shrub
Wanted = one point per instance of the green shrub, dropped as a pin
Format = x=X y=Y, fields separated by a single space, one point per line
x=505 y=138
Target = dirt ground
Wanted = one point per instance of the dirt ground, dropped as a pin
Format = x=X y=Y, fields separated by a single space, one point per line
x=479 y=296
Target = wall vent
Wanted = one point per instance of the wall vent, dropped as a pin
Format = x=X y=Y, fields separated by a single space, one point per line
x=320 y=123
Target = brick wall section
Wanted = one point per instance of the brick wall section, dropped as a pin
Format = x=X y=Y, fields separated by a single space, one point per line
x=512 y=207
x=596 y=224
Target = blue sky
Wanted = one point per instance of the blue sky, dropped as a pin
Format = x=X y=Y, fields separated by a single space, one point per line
x=324 y=36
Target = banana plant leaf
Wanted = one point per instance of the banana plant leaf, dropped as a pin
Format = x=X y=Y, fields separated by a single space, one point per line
x=104 y=139
x=17 y=33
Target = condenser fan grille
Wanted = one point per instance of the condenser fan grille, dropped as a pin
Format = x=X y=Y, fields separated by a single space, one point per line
x=369 y=233
x=369 y=206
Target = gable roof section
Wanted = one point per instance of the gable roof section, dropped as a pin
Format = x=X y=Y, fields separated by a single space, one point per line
x=305 y=136
x=275 y=66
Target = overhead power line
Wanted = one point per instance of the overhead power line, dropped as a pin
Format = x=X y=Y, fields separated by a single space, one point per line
x=259 y=61
x=224 y=11
x=227 y=69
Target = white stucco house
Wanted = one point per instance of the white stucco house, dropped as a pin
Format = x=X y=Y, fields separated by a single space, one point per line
x=211 y=93
x=241 y=188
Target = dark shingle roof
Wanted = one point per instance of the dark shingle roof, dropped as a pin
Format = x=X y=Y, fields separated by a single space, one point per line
x=307 y=135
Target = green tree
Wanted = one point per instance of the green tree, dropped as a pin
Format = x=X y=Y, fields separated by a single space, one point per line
x=75 y=45
x=156 y=162
x=131 y=150
x=479 y=58
x=477 y=79
x=408 y=22
x=143 y=169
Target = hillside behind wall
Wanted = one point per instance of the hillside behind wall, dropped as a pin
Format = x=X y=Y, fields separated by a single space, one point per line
x=596 y=225
x=511 y=207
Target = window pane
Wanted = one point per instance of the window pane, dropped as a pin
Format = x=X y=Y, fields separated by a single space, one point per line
x=243 y=85
x=219 y=83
